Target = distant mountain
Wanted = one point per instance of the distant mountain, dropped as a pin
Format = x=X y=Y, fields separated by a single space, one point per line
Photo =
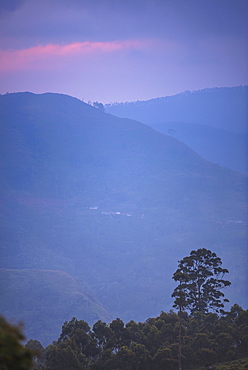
x=44 y=300
x=226 y=148
x=112 y=202
x=223 y=108
x=214 y=122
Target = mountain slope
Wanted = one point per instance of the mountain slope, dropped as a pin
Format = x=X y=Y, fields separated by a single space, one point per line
x=223 y=108
x=213 y=122
x=44 y=300
x=112 y=202
x=226 y=148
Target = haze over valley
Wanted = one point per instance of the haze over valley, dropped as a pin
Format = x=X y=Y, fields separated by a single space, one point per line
x=109 y=205
x=123 y=184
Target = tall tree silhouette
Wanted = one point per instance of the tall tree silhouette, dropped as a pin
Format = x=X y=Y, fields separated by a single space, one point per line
x=200 y=278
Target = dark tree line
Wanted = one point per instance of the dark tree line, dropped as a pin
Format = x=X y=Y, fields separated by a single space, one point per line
x=200 y=334
x=206 y=340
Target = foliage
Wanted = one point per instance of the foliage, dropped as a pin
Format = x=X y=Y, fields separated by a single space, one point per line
x=240 y=364
x=98 y=105
x=13 y=355
x=207 y=339
x=38 y=353
x=200 y=278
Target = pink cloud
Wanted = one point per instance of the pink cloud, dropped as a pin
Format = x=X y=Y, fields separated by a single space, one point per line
x=44 y=56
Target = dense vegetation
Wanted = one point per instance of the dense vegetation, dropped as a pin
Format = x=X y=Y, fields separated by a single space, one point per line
x=170 y=341
x=207 y=339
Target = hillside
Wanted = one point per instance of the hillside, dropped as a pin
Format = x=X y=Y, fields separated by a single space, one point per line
x=112 y=202
x=44 y=299
x=223 y=108
x=213 y=122
x=226 y=148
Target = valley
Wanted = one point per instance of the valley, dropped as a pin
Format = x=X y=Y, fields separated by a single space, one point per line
x=112 y=203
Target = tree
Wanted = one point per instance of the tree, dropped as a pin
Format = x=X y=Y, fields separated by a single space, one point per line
x=76 y=348
x=72 y=327
x=38 y=353
x=99 y=106
x=13 y=355
x=103 y=335
x=78 y=332
x=66 y=355
x=200 y=278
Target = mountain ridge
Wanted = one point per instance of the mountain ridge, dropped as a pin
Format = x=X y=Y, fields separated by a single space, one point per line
x=229 y=97
x=213 y=122
x=112 y=202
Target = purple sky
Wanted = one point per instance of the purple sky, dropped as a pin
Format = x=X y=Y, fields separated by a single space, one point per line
x=122 y=50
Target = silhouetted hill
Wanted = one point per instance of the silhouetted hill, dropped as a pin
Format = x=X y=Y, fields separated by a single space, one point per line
x=112 y=202
x=226 y=148
x=213 y=122
x=224 y=108
x=44 y=300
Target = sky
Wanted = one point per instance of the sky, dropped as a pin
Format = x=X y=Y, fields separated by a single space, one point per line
x=122 y=50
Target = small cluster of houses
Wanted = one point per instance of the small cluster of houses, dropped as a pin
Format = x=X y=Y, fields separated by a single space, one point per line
x=111 y=213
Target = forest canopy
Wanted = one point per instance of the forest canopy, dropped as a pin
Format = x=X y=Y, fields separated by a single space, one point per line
x=183 y=340
x=207 y=339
